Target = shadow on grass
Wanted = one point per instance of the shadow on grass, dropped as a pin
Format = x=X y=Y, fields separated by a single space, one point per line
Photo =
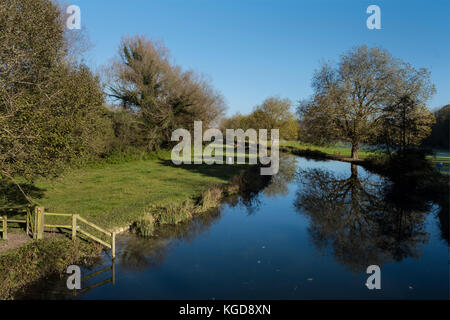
x=221 y=171
x=245 y=177
x=12 y=198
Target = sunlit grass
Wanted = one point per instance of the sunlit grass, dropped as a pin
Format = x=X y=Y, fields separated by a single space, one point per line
x=114 y=195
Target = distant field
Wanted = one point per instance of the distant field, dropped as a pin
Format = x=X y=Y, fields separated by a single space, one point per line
x=440 y=156
x=331 y=150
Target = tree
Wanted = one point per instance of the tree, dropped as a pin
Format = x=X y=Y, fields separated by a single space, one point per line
x=238 y=121
x=275 y=113
x=50 y=106
x=163 y=96
x=405 y=124
x=349 y=97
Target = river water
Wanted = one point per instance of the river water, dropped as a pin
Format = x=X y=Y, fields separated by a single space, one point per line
x=308 y=233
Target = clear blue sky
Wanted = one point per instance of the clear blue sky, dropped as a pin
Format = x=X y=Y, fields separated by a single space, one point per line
x=252 y=49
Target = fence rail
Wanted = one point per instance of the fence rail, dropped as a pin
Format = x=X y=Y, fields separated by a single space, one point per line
x=35 y=227
x=4 y=229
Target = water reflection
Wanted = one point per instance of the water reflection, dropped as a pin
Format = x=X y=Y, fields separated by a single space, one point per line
x=360 y=219
x=279 y=184
x=253 y=186
x=148 y=253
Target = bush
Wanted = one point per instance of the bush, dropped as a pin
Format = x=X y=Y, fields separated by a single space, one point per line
x=145 y=226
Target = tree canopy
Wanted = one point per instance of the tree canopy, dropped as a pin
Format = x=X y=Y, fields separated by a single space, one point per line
x=163 y=96
x=272 y=113
x=50 y=105
x=350 y=96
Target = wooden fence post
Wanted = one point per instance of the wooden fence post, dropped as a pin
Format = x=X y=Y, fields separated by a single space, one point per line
x=5 y=228
x=28 y=222
x=74 y=226
x=35 y=223
x=40 y=223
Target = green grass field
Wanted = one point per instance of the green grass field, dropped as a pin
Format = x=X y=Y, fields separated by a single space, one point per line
x=114 y=195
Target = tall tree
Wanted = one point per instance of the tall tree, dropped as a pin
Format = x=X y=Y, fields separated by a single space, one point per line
x=49 y=105
x=349 y=97
x=165 y=97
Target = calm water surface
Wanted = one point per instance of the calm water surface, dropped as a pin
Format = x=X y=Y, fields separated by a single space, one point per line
x=309 y=233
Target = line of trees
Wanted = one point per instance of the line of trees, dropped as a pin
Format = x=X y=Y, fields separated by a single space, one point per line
x=368 y=96
x=53 y=110
x=272 y=113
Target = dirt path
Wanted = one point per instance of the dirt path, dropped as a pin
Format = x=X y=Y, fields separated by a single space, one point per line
x=15 y=240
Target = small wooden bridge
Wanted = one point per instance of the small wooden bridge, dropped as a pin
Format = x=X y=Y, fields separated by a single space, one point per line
x=35 y=225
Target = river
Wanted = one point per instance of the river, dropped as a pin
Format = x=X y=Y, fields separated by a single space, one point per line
x=308 y=233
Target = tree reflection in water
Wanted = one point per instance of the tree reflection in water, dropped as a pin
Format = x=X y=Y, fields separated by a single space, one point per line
x=279 y=184
x=253 y=186
x=359 y=218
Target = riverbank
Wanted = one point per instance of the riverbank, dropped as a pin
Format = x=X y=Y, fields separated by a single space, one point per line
x=37 y=260
x=414 y=173
x=116 y=195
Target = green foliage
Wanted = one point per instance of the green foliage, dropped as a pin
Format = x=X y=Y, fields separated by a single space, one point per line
x=173 y=213
x=350 y=97
x=144 y=226
x=50 y=106
x=210 y=198
x=161 y=95
x=273 y=113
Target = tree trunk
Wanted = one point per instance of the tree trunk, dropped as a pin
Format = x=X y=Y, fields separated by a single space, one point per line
x=355 y=149
x=354 y=169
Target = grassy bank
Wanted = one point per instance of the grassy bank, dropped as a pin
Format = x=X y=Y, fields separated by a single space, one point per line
x=21 y=267
x=115 y=194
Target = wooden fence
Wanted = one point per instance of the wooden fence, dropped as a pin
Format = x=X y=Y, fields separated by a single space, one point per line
x=35 y=227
